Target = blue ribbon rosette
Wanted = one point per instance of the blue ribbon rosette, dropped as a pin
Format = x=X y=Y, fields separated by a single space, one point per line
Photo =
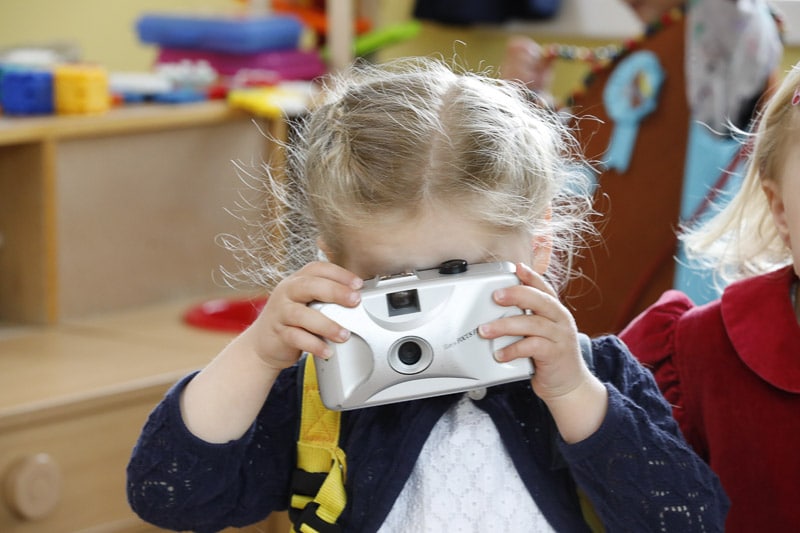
x=630 y=94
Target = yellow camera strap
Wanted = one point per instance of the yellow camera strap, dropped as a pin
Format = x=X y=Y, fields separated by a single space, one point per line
x=318 y=494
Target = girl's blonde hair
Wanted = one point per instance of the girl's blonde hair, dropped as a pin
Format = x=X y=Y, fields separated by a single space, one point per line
x=741 y=239
x=388 y=142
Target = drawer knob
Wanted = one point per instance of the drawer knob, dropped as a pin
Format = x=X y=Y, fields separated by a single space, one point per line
x=33 y=486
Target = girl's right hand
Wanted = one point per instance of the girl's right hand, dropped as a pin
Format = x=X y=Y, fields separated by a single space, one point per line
x=287 y=326
x=221 y=402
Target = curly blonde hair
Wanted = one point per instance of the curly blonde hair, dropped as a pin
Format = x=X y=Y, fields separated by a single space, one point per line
x=387 y=142
x=741 y=239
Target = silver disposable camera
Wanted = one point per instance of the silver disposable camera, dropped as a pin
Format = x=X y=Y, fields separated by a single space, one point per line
x=415 y=335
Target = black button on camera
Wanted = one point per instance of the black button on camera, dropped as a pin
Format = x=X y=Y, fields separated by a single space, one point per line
x=453 y=266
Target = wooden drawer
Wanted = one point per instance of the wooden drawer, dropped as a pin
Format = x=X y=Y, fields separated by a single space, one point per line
x=87 y=444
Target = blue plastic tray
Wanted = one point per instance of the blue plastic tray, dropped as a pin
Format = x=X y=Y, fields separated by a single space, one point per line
x=232 y=35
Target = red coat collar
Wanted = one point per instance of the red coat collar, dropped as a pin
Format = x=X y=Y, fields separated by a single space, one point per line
x=761 y=323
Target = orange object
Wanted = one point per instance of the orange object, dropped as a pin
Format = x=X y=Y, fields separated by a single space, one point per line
x=315 y=18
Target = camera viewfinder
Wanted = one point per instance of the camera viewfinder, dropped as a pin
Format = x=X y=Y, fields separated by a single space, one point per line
x=403 y=302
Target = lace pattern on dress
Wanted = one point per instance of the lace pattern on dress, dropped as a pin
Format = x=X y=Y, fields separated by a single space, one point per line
x=465 y=481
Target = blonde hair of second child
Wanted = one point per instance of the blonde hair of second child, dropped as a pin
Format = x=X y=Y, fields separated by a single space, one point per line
x=742 y=239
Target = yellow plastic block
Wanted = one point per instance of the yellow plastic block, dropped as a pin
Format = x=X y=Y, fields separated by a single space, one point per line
x=285 y=99
x=81 y=89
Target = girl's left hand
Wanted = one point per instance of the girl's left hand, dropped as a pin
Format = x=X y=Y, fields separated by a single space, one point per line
x=562 y=379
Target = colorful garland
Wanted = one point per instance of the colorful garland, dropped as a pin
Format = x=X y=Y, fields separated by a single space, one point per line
x=603 y=57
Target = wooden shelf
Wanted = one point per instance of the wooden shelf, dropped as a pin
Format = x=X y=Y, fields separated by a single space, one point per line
x=82 y=362
x=73 y=189
x=127 y=119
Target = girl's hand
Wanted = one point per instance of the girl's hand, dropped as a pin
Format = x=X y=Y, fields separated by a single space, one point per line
x=221 y=402
x=576 y=398
x=287 y=326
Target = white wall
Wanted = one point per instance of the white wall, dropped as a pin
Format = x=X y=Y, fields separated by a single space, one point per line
x=611 y=19
x=600 y=19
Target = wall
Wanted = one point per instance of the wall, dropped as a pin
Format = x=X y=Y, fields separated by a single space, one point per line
x=104 y=30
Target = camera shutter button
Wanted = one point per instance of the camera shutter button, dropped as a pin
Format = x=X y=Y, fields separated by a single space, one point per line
x=453 y=266
x=477 y=394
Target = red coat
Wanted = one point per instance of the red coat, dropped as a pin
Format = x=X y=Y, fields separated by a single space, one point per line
x=731 y=370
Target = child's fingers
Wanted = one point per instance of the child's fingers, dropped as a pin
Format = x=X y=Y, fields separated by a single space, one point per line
x=546 y=329
x=531 y=299
x=531 y=278
x=310 y=289
x=535 y=347
x=315 y=323
x=323 y=284
x=282 y=335
x=534 y=295
x=542 y=338
x=287 y=325
x=307 y=330
x=520 y=326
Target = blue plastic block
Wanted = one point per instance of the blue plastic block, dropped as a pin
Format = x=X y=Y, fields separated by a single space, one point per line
x=27 y=92
x=232 y=35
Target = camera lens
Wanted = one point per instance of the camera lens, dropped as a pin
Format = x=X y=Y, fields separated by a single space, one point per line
x=409 y=353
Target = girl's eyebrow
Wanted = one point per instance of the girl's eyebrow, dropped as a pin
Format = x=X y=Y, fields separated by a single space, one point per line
x=488 y=258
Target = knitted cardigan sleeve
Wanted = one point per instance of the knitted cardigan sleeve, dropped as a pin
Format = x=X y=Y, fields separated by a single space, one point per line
x=637 y=469
x=173 y=476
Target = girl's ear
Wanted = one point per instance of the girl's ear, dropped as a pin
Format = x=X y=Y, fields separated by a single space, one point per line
x=326 y=250
x=772 y=190
x=542 y=246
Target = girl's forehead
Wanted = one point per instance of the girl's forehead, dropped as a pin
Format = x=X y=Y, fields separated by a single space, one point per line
x=425 y=242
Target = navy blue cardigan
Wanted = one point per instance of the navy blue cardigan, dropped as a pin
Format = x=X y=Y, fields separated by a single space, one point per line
x=636 y=469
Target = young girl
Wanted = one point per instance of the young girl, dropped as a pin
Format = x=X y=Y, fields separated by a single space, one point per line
x=404 y=166
x=730 y=367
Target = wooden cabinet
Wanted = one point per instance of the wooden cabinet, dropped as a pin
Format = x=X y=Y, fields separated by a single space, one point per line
x=107 y=237
x=77 y=394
